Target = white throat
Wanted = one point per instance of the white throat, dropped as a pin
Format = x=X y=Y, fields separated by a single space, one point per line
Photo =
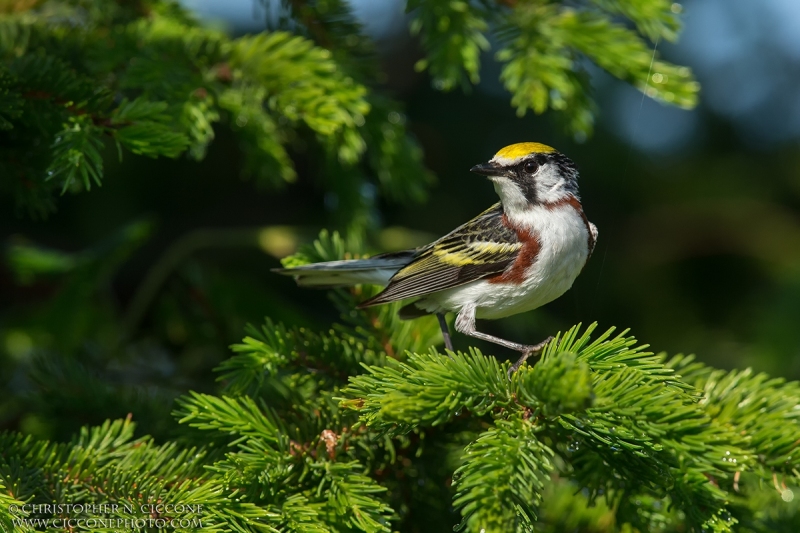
x=511 y=197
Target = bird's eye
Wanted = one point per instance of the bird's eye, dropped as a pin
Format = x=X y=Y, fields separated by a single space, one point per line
x=530 y=167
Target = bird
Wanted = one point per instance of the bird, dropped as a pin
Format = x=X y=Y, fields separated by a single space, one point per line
x=519 y=254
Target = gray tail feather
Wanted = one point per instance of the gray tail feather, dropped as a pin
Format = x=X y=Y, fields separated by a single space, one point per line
x=376 y=270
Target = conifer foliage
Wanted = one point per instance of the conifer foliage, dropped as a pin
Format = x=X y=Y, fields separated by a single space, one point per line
x=366 y=427
x=79 y=77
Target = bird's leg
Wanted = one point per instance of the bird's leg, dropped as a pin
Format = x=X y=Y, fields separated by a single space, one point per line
x=465 y=323
x=448 y=342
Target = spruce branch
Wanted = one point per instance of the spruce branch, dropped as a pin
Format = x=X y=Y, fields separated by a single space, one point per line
x=653 y=18
x=542 y=46
x=391 y=151
x=351 y=498
x=500 y=484
x=261 y=138
x=234 y=417
x=427 y=390
x=76 y=155
x=657 y=444
x=332 y=25
x=299 y=514
x=763 y=408
x=69 y=72
x=9 y=504
x=268 y=350
x=453 y=35
x=624 y=55
x=142 y=126
x=542 y=59
x=630 y=405
x=303 y=81
x=105 y=464
x=170 y=82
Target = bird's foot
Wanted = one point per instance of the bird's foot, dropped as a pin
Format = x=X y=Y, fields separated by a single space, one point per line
x=533 y=350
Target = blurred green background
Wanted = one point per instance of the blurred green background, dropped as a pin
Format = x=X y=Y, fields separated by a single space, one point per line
x=698 y=213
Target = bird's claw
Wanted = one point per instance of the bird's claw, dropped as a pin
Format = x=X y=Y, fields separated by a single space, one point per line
x=534 y=350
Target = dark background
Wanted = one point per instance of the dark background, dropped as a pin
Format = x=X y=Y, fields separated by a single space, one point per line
x=698 y=213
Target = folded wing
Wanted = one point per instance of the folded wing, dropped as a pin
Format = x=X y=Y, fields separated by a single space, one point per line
x=481 y=248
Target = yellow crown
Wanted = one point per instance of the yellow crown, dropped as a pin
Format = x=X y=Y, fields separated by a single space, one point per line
x=514 y=151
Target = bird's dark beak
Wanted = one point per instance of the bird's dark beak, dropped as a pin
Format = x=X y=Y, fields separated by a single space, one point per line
x=489 y=169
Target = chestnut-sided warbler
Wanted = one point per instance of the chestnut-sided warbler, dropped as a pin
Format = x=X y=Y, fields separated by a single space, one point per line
x=519 y=254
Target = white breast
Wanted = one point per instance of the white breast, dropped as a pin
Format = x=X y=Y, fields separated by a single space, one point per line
x=563 y=252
